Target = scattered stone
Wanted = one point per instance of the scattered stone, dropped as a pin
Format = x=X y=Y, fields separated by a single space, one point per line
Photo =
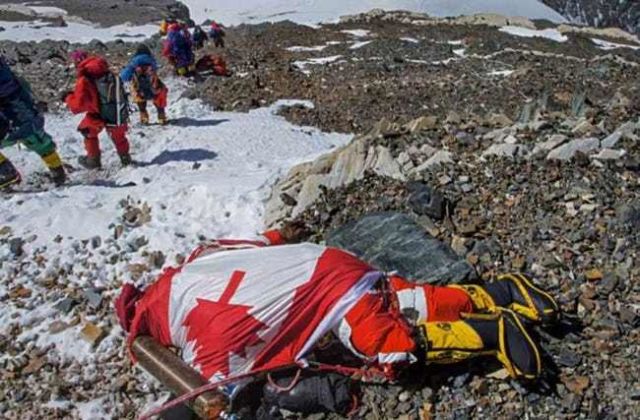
x=92 y=334
x=453 y=118
x=423 y=123
x=568 y=358
x=610 y=154
x=58 y=326
x=96 y=242
x=15 y=246
x=94 y=298
x=425 y=201
x=502 y=150
x=612 y=140
x=576 y=384
x=499 y=120
x=157 y=259
x=593 y=275
x=569 y=150
x=65 y=305
x=34 y=365
x=440 y=157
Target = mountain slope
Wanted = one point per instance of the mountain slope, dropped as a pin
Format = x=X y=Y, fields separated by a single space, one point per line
x=314 y=11
x=623 y=14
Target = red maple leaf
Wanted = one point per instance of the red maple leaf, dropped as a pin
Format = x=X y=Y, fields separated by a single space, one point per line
x=220 y=328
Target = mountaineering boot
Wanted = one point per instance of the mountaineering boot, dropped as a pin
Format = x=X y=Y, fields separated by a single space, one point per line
x=518 y=293
x=125 y=159
x=162 y=117
x=54 y=163
x=500 y=334
x=515 y=292
x=8 y=173
x=90 y=162
x=144 y=115
x=58 y=176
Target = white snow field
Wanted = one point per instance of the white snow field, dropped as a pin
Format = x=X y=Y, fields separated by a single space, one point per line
x=233 y=12
x=75 y=31
x=238 y=155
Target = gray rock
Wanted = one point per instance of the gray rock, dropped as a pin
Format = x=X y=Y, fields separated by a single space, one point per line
x=610 y=154
x=440 y=157
x=15 y=246
x=94 y=297
x=629 y=214
x=553 y=142
x=394 y=242
x=611 y=140
x=96 y=241
x=423 y=200
x=65 y=305
x=502 y=150
x=569 y=150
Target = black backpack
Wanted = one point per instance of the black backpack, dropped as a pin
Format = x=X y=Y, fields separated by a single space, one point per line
x=114 y=105
x=144 y=84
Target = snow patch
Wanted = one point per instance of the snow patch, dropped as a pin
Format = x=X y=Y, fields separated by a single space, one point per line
x=607 y=45
x=358 y=45
x=238 y=156
x=307 y=49
x=78 y=32
x=503 y=73
x=302 y=64
x=552 y=34
x=410 y=40
x=358 y=33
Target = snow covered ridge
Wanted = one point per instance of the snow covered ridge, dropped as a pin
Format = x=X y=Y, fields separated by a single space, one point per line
x=74 y=30
x=234 y=12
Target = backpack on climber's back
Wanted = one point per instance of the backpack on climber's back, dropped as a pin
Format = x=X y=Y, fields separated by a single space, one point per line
x=114 y=105
x=144 y=83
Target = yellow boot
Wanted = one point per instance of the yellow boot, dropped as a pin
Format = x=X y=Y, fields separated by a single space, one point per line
x=54 y=163
x=500 y=334
x=513 y=291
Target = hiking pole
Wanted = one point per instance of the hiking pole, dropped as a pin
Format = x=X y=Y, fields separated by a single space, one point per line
x=179 y=377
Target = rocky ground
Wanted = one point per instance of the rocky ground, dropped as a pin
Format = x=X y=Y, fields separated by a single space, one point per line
x=533 y=184
x=402 y=67
x=533 y=142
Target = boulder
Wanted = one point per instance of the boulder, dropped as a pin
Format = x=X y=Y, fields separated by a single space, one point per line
x=499 y=120
x=302 y=185
x=569 y=150
x=502 y=150
x=440 y=157
x=610 y=154
x=394 y=242
x=423 y=123
x=424 y=201
x=553 y=142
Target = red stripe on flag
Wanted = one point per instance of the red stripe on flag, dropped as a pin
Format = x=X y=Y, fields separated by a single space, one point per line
x=232 y=287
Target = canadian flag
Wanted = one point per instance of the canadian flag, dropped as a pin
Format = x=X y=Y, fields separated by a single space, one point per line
x=236 y=311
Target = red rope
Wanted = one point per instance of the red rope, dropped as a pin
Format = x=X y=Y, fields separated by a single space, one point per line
x=289 y=387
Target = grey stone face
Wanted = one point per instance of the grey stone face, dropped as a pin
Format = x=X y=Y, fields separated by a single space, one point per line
x=394 y=242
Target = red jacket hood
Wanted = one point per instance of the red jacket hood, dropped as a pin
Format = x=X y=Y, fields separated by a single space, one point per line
x=93 y=67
